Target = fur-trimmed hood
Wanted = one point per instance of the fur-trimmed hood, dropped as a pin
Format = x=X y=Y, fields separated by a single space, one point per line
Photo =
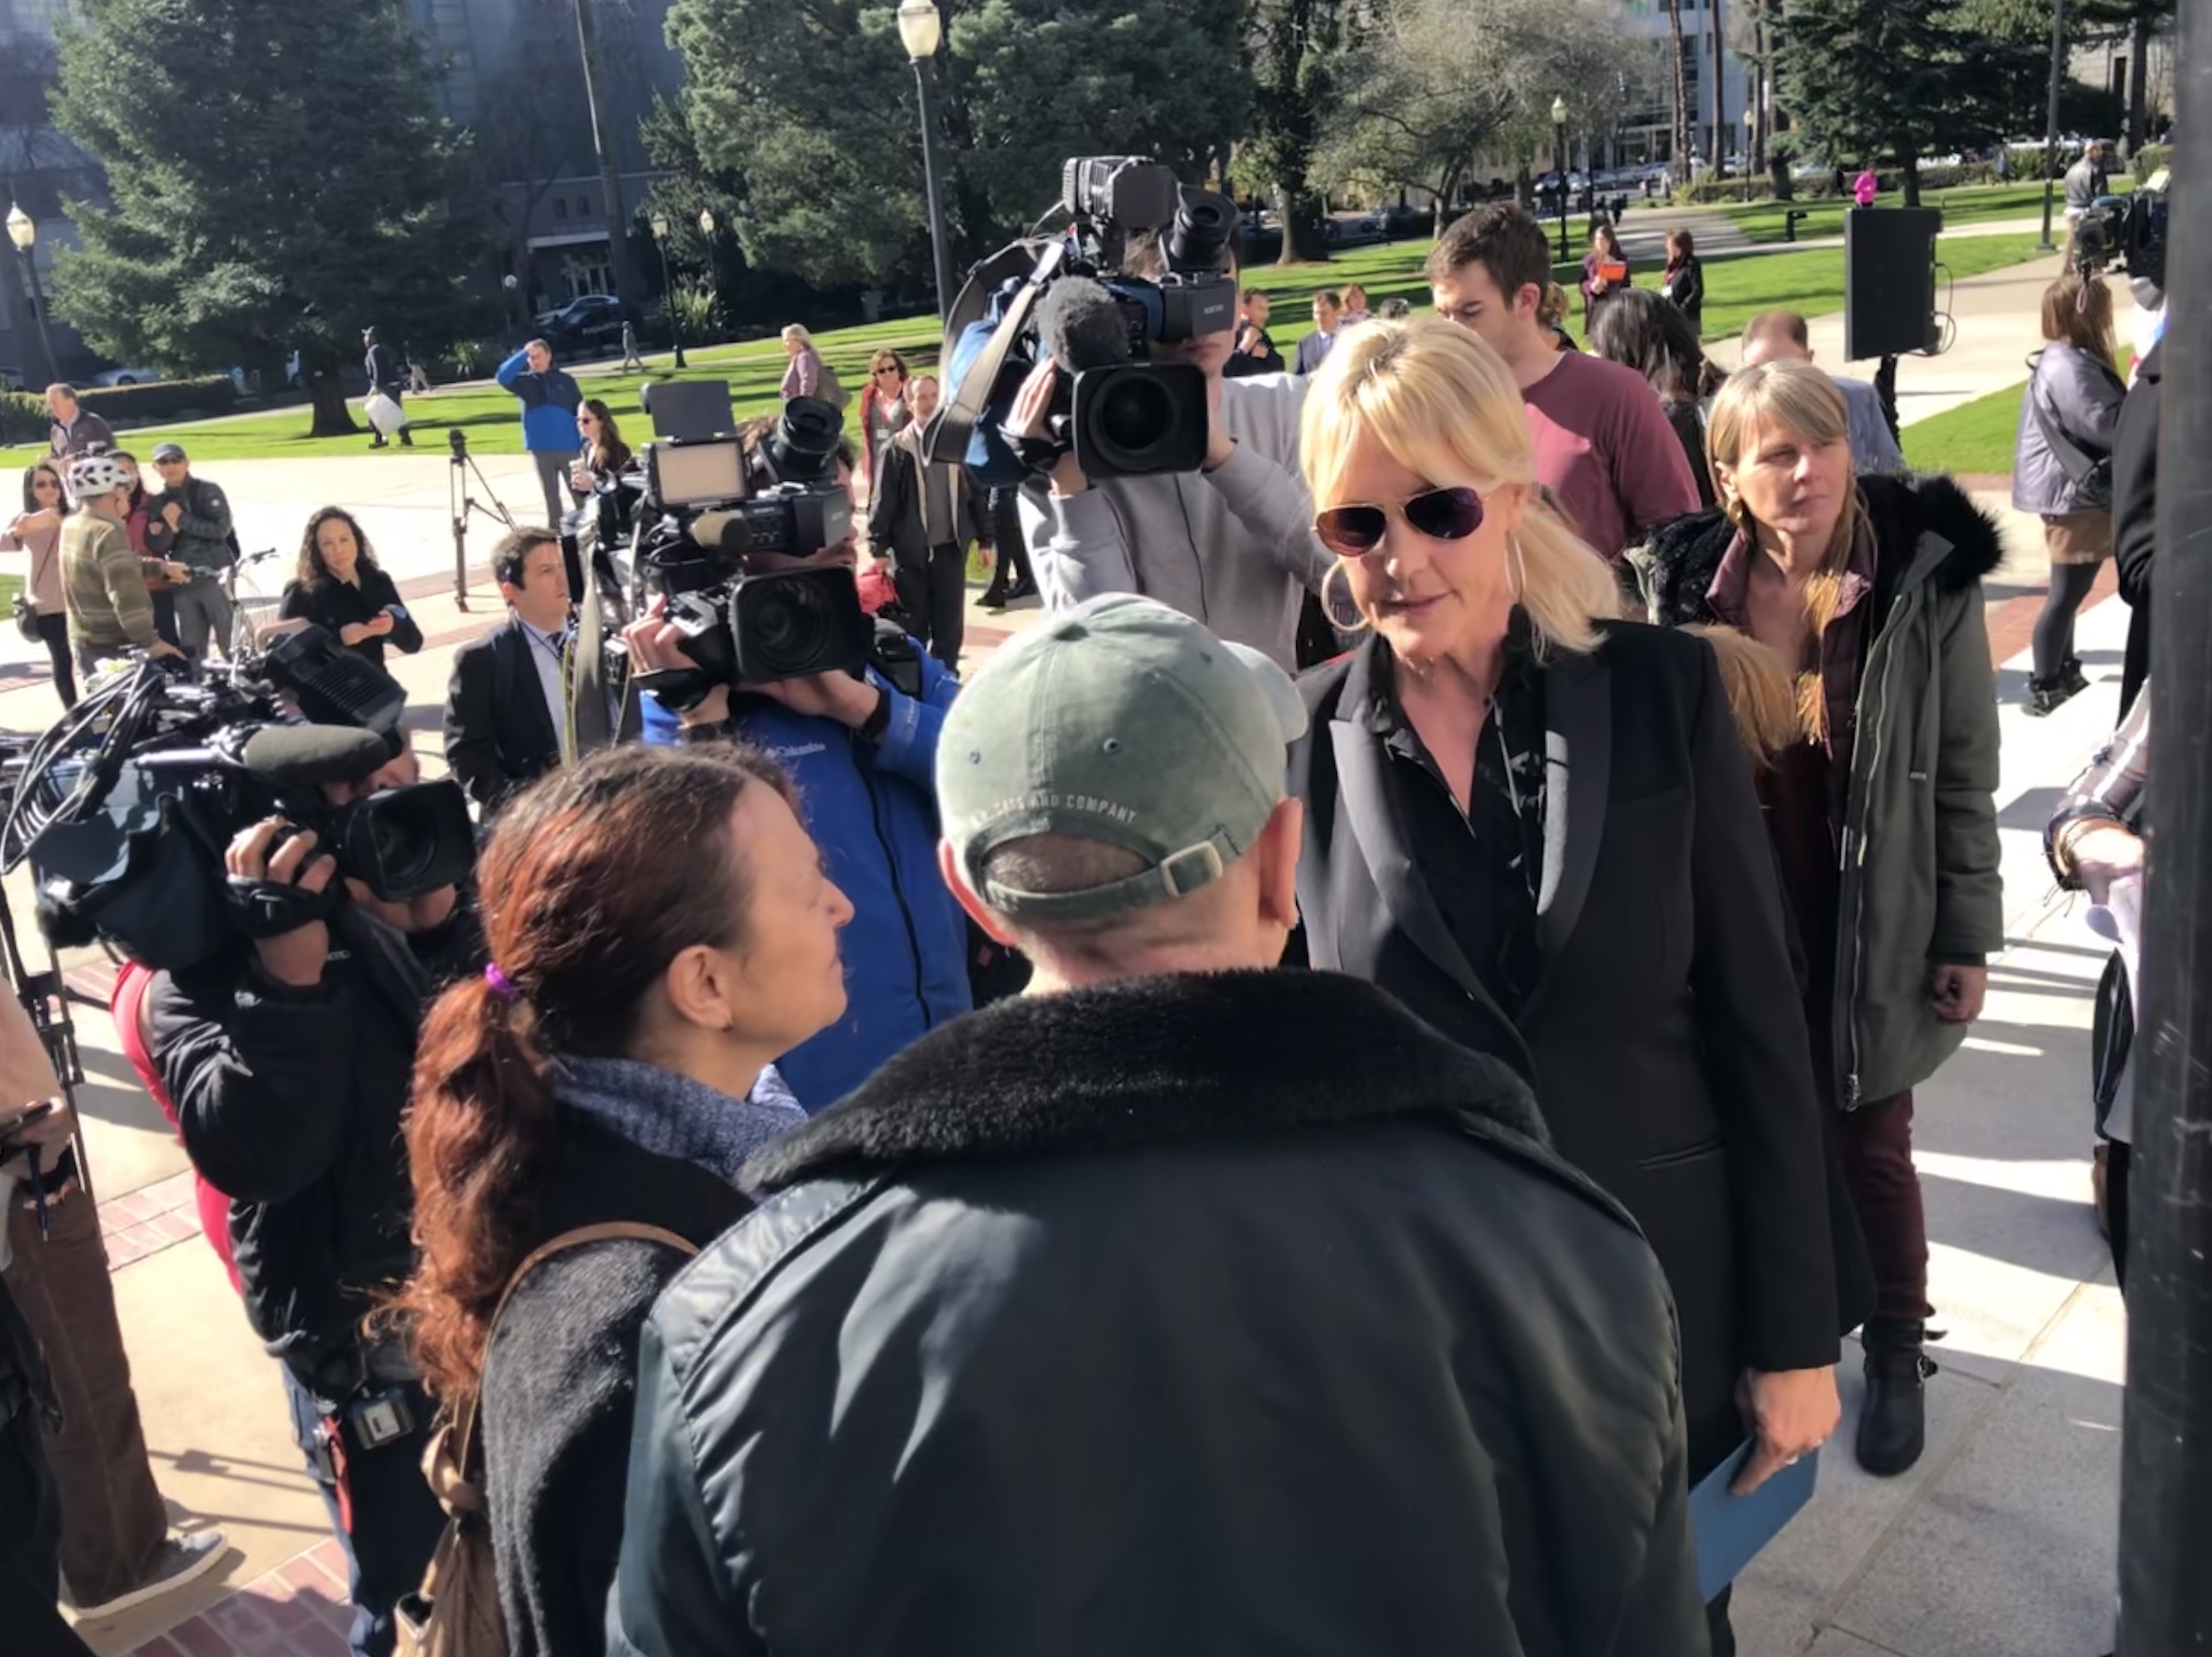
x=1154 y=1058
x=1686 y=554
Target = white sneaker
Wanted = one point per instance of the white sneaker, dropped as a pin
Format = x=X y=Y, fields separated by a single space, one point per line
x=184 y=1557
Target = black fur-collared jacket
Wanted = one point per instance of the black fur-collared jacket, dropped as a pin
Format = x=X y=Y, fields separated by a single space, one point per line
x=1919 y=856
x=1234 y=1314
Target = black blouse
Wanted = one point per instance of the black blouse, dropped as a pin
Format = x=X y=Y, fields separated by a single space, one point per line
x=334 y=604
x=1485 y=868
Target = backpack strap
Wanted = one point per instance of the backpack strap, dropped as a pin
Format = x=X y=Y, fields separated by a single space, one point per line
x=452 y=1464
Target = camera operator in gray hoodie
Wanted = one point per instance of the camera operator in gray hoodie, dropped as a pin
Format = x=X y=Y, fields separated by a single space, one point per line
x=1232 y=547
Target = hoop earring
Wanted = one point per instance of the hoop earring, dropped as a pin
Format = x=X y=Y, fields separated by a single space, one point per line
x=1519 y=574
x=1359 y=621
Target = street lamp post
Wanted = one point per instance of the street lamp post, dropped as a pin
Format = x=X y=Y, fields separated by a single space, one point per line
x=922 y=27
x=660 y=227
x=25 y=234
x=2050 y=123
x=1560 y=166
x=706 y=229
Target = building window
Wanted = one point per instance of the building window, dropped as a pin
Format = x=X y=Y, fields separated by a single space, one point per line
x=583 y=207
x=586 y=273
x=560 y=207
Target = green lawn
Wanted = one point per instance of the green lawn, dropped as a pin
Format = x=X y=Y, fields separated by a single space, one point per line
x=1974 y=437
x=1977 y=436
x=1737 y=287
x=1970 y=204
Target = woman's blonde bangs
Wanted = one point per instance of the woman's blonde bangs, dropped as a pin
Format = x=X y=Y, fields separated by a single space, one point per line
x=1443 y=404
x=1796 y=396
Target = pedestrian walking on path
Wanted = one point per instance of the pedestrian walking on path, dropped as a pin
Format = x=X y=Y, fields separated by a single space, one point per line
x=1871 y=596
x=2062 y=470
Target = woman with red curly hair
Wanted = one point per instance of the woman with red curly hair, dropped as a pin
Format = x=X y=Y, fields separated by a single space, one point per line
x=660 y=928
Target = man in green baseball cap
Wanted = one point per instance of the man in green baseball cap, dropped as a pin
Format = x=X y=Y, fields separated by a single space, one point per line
x=1114 y=801
x=1182 y=1303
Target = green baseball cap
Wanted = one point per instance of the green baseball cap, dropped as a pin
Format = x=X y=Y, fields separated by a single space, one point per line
x=1122 y=721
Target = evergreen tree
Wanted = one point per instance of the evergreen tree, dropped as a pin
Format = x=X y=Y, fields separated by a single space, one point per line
x=1906 y=79
x=280 y=180
x=808 y=114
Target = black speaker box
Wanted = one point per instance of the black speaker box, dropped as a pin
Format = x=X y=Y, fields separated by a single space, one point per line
x=1889 y=280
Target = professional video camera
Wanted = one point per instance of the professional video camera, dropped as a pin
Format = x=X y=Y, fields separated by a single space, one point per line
x=2124 y=232
x=1064 y=297
x=125 y=807
x=710 y=507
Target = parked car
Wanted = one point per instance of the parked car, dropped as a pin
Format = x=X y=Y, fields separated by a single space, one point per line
x=127 y=376
x=590 y=319
x=11 y=378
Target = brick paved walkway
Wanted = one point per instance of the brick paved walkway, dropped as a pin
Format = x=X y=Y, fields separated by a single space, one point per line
x=298 y=1609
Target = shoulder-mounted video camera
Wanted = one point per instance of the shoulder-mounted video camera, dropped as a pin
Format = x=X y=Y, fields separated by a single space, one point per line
x=2122 y=232
x=126 y=806
x=1064 y=297
x=719 y=510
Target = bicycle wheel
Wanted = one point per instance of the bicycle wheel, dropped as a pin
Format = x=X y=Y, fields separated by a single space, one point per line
x=252 y=612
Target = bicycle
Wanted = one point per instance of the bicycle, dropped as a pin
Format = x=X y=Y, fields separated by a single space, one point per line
x=252 y=612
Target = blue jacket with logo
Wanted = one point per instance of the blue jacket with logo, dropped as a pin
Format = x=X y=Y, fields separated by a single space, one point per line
x=549 y=404
x=873 y=809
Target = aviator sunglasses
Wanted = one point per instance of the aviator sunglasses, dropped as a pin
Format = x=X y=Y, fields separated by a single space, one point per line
x=1440 y=514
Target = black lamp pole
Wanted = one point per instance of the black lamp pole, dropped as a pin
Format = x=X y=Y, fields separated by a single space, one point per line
x=922 y=27
x=1560 y=166
x=667 y=288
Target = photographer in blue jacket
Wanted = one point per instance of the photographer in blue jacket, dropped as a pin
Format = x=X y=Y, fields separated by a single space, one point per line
x=863 y=754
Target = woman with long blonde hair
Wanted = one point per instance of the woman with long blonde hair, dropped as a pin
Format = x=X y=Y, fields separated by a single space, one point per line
x=1534 y=823
x=1869 y=590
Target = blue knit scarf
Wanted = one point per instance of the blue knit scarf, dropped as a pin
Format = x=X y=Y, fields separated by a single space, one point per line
x=672 y=1115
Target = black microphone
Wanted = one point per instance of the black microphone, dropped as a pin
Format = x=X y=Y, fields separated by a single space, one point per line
x=1082 y=327
x=308 y=756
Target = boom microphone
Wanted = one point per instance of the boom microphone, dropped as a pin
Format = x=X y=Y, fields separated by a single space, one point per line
x=308 y=756
x=1081 y=326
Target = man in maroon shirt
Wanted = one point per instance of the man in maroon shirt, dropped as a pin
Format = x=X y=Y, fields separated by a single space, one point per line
x=1603 y=447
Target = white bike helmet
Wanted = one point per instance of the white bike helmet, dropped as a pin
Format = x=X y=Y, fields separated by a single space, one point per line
x=92 y=475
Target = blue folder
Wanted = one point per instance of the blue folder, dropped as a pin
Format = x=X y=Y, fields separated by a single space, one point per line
x=1730 y=1530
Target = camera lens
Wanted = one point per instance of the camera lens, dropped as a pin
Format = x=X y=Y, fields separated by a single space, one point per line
x=1135 y=414
x=804 y=448
x=789 y=628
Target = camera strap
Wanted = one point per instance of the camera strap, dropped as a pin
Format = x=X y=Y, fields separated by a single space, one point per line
x=948 y=435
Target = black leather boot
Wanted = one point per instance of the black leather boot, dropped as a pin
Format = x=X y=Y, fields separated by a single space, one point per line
x=1893 y=1423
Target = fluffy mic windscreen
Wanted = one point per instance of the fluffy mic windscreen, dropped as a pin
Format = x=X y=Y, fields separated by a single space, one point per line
x=1082 y=326
x=308 y=756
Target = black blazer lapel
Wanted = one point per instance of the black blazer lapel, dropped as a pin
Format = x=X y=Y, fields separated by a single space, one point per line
x=1366 y=806
x=1578 y=770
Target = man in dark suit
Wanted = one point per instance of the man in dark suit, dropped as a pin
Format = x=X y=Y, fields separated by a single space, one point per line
x=506 y=709
x=926 y=515
x=1328 y=317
